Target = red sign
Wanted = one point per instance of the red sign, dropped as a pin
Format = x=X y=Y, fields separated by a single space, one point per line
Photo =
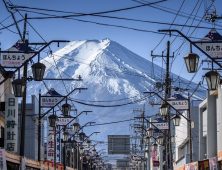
x=156 y=163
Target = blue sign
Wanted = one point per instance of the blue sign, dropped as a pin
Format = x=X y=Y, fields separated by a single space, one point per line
x=58 y=146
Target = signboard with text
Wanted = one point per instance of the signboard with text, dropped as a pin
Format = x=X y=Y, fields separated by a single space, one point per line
x=51 y=98
x=178 y=102
x=50 y=142
x=11 y=123
x=161 y=125
x=16 y=55
x=3 y=165
x=64 y=120
x=58 y=145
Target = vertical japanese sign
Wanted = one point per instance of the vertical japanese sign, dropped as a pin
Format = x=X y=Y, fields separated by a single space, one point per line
x=2 y=160
x=11 y=123
x=58 y=145
x=50 y=141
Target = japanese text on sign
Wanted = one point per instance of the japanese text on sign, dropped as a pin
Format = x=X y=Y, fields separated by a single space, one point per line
x=14 y=59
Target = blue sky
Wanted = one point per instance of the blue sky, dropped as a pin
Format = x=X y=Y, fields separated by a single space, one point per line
x=139 y=42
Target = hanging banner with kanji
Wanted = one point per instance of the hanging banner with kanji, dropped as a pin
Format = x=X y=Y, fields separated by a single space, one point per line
x=58 y=145
x=212 y=43
x=21 y=53
x=11 y=123
x=50 y=142
x=51 y=98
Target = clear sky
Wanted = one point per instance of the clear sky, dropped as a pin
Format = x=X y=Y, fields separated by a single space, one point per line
x=140 y=42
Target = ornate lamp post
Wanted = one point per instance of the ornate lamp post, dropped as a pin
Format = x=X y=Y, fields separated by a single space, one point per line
x=66 y=108
x=164 y=109
x=191 y=61
x=150 y=132
x=76 y=127
x=159 y=140
x=19 y=86
x=53 y=120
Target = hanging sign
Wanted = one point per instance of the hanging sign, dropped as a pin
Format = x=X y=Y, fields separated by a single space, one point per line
x=51 y=98
x=58 y=145
x=2 y=160
x=161 y=125
x=16 y=55
x=179 y=104
x=70 y=130
x=11 y=123
x=64 y=120
x=50 y=141
x=213 y=49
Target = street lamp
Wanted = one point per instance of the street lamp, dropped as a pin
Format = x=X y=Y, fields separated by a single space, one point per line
x=176 y=120
x=75 y=127
x=164 y=109
x=191 y=61
x=94 y=152
x=88 y=143
x=66 y=109
x=87 y=157
x=212 y=78
x=38 y=70
x=82 y=136
x=53 y=120
x=154 y=146
x=159 y=140
x=150 y=132
x=65 y=136
x=147 y=138
x=81 y=150
x=19 y=86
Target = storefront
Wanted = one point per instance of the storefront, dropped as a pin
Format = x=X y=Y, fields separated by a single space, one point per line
x=220 y=159
x=203 y=164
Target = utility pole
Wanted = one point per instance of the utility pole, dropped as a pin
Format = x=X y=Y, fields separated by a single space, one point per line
x=167 y=93
x=23 y=110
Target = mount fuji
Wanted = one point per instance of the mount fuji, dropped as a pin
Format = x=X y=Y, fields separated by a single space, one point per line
x=116 y=79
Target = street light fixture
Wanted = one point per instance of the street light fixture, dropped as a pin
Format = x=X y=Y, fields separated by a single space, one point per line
x=19 y=86
x=81 y=150
x=66 y=108
x=65 y=136
x=82 y=136
x=88 y=143
x=154 y=146
x=87 y=157
x=164 y=109
x=53 y=120
x=212 y=78
x=150 y=132
x=38 y=70
x=75 y=127
x=191 y=61
x=147 y=138
x=159 y=140
x=176 y=120
x=94 y=152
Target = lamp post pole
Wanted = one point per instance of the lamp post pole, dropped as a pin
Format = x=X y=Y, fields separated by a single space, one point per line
x=54 y=146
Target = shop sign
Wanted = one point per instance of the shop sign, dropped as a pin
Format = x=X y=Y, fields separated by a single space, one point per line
x=64 y=120
x=50 y=141
x=213 y=162
x=70 y=130
x=11 y=123
x=179 y=104
x=2 y=160
x=58 y=145
x=213 y=49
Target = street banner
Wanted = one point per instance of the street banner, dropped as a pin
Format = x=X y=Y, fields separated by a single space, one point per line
x=161 y=125
x=51 y=98
x=11 y=123
x=212 y=43
x=64 y=120
x=3 y=165
x=213 y=162
x=58 y=145
x=178 y=102
x=50 y=142
x=16 y=59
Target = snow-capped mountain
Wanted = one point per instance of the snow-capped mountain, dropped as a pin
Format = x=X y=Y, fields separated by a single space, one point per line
x=114 y=76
